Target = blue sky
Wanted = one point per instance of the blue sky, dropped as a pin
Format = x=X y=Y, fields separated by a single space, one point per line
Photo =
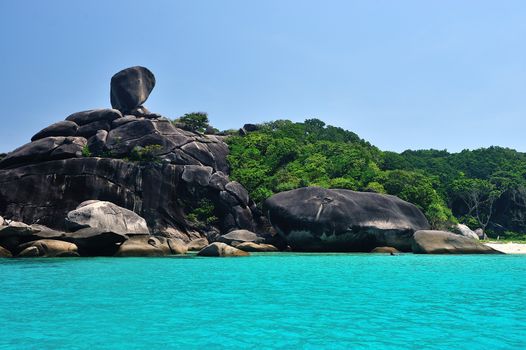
x=402 y=74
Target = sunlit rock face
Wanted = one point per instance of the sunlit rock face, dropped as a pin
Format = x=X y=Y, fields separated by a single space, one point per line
x=127 y=156
x=318 y=219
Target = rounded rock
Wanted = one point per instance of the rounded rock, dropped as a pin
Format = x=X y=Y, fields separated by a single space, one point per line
x=131 y=87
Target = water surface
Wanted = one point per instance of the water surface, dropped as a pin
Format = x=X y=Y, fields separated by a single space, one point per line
x=291 y=301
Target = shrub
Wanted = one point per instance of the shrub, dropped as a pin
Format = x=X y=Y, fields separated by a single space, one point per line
x=196 y=121
x=203 y=213
x=145 y=154
x=86 y=151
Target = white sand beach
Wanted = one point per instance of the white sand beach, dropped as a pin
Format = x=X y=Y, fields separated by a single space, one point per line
x=508 y=248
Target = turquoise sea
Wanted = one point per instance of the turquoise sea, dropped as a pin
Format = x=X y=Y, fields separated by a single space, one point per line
x=288 y=301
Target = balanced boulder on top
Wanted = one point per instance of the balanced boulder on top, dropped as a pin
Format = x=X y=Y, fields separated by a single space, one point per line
x=131 y=87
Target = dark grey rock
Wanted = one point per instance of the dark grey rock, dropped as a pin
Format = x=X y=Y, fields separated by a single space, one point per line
x=200 y=152
x=121 y=121
x=62 y=128
x=442 y=242
x=96 y=242
x=317 y=219
x=131 y=87
x=243 y=217
x=239 y=236
x=4 y=253
x=140 y=133
x=155 y=116
x=97 y=143
x=17 y=233
x=93 y=115
x=47 y=191
x=49 y=148
x=238 y=191
x=197 y=174
x=72 y=147
x=88 y=130
x=218 y=180
x=227 y=199
x=140 y=111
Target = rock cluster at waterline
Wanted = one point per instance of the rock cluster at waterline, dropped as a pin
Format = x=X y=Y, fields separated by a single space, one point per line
x=98 y=228
x=318 y=219
x=124 y=181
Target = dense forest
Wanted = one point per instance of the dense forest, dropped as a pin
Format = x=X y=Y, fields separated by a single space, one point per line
x=484 y=188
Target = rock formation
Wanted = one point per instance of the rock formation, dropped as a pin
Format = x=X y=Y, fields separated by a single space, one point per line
x=219 y=249
x=127 y=156
x=318 y=219
x=442 y=242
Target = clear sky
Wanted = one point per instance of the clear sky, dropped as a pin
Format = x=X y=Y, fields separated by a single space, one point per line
x=401 y=74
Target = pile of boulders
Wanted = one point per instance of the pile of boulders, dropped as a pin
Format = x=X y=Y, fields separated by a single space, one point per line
x=319 y=219
x=99 y=228
x=128 y=156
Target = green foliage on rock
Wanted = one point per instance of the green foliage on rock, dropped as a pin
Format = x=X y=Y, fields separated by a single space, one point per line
x=203 y=213
x=86 y=151
x=468 y=186
x=145 y=154
x=196 y=121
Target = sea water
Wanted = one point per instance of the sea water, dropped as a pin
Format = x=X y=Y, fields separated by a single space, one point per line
x=288 y=301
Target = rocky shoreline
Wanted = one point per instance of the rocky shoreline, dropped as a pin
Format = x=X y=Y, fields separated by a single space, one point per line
x=124 y=181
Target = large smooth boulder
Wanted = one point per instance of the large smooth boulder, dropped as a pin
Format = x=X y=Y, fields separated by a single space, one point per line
x=131 y=87
x=145 y=245
x=62 y=128
x=107 y=216
x=239 y=236
x=318 y=219
x=219 y=249
x=385 y=250
x=49 y=148
x=141 y=246
x=97 y=143
x=465 y=231
x=256 y=247
x=442 y=242
x=17 y=233
x=480 y=233
x=4 y=253
x=94 y=115
x=96 y=242
x=177 y=246
x=48 y=248
x=197 y=244
x=88 y=130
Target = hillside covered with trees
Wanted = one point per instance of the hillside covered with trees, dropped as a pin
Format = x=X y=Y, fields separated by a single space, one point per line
x=484 y=188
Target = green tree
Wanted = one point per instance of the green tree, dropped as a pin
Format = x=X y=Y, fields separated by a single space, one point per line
x=478 y=196
x=196 y=121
